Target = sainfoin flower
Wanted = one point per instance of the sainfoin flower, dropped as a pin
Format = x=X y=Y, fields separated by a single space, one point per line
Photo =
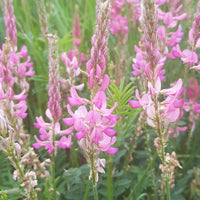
x=169 y=109
x=93 y=125
x=46 y=130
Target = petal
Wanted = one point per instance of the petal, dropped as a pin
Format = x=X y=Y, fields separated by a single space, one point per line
x=69 y=121
x=110 y=132
x=112 y=151
x=80 y=135
x=134 y=104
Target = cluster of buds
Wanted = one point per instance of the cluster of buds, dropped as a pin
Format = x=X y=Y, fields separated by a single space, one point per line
x=73 y=59
x=9 y=19
x=168 y=169
x=73 y=71
x=96 y=65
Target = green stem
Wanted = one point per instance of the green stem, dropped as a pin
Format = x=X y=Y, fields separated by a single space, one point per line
x=109 y=179
x=168 y=190
x=53 y=178
x=94 y=184
x=87 y=190
x=53 y=182
x=95 y=189
x=149 y=156
x=130 y=151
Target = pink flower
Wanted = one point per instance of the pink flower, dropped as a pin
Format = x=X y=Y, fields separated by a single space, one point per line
x=196 y=67
x=176 y=37
x=65 y=142
x=95 y=126
x=75 y=99
x=46 y=130
x=189 y=57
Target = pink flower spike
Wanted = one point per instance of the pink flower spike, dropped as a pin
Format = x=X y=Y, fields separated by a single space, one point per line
x=65 y=142
x=39 y=144
x=197 y=108
x=23 y=53
x=20 y=96
x=189 y=57
x=178 y=103
x=40 y=122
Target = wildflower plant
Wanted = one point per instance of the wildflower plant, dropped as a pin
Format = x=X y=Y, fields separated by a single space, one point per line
x=93 y=123
x=110 y=112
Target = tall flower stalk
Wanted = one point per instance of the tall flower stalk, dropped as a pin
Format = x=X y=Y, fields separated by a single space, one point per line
x=15 y=68
x=159 y=114
x=42 y=17
x=92 y=121
x=49 y=132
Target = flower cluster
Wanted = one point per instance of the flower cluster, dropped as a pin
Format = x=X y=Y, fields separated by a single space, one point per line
x=119 y=24
x=193 y=107
x=189 y=56
x=168 y=109
x=73 y=71
x=94 y=126
x=168 y=170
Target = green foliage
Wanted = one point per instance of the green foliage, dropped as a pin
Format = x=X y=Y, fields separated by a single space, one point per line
x=3 y=195
x=121 y=95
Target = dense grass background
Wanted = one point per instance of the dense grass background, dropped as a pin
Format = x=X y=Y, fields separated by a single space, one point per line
x=125 y=178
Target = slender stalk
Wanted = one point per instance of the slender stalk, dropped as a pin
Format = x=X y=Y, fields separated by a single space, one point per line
x=52 y=178
x=109 y=179
x=168 y=190
x=94 y=184
x=149 y=156
x=87 y=190
x=130 y=151
x=95 y=190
